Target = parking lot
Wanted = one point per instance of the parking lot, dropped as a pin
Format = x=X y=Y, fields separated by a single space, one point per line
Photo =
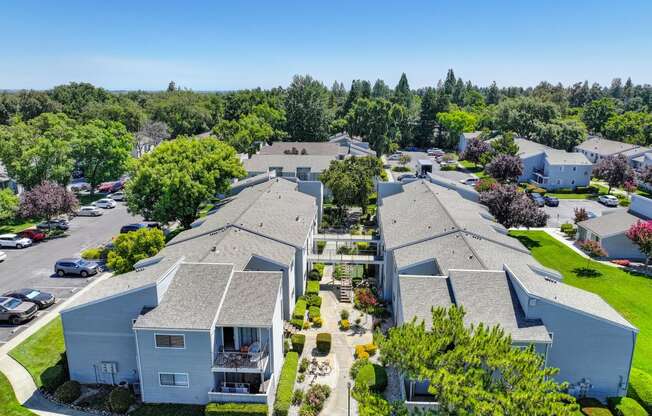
x=414 y=158
x=565 y=212
x=33 y=266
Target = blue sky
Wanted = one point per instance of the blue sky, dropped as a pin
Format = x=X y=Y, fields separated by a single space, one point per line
x=221 y=45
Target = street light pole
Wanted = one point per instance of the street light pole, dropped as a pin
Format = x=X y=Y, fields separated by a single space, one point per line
x=348 y=390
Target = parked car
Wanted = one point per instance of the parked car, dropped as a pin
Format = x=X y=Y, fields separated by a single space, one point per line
x=406 y=177
x=470 y=181
x=41 y=299
x=106 y=203
x=608 y=200
x=137 y=226
x=105 y=187
x=591 y=215
x=118 y=185
x=3 y=256
x=14 y=240
x=33 y=234
x=76 y=266
x=435 y=151
x=551 y=201
x=89 y=211
x=395 y=156
x=537 y=199
x=16 y=311
x=117 y=196
x=80 y=186
x=55 y=224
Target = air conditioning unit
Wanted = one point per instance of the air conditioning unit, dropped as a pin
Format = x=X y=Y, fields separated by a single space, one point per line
x=136 y=387
x=109 y=367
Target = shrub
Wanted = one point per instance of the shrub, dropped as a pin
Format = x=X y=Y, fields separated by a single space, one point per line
x=92 y=253
x=68 y=392
x=568 y=229
x=314 y=312
x=313 y=400
x=362 y=245
x=485 y=184
x=345 y=325
x=401 y=169
x=593 y=407
x=344 y=314
x=320 y=246
x=314 y=275
x=285 y=387
x=346 y=250
x=373 y=376
x=169 y=409
x=324 y=342
x=371 y=349
x=313 y=300
x=317 y=322
x=312 y=288
x=361 y=352
x=299 y=309
x=640 y=388
x=306 y=325
x=297 y=397
x=298 y=342
x=236 y=409
x=625 y=406
x=120 y=399
x=297 y=323
x=365 y=300
x=320 y=268
x=54 y=376
x=383 y=176
x=356 y=366
x=303 y=366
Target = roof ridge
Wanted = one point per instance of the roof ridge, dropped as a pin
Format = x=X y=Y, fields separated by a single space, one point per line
x=434 y=194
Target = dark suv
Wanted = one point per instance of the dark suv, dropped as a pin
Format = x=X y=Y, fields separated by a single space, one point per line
x=16 y=311
x=76 y=266
x=137 y=226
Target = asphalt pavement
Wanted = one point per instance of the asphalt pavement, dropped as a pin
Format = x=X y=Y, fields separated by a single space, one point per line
x=565 y=212
x=33 y=266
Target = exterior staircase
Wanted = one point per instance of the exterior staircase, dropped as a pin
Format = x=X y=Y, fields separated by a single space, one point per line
x=346 y=290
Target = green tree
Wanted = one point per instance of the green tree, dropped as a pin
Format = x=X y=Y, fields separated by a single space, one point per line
x=242 y=134
x=351 y=181
x=402 y=92
x=125 y=111
x=38 y=150
x=561 y=133
x=102 y=149
x=629 y=127
x=522 y=115
x=184 y=112
x=431 y=104
x=172 y=181
x=456 y=122
x=8 y=204
x=462 y=363
x=598 y=112
x=75 y=97
x=130 y=248
x=381 y=90
x=505 y=144
x=493 y=94
x=306 y=109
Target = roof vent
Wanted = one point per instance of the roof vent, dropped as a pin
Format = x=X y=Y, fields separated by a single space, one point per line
x=214 y=249
x=261 y=224
x=297 y=219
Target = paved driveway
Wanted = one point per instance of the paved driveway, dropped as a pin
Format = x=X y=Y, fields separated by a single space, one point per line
x=565 y=212
x=415 y=156
x=33 y=267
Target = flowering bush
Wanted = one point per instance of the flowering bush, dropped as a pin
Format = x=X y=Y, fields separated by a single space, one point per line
x=641 y=234
x=592 y=248
x=485 y=184
x=345 y=325
x=361 y=352
x=625 y=263
x=313 y=400
x=365 y=300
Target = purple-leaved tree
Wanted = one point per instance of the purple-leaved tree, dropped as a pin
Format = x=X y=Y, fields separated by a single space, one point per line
x=614 y=170
x=505 y=168
x=512 y=208
x=474 y=150
x=47 y=201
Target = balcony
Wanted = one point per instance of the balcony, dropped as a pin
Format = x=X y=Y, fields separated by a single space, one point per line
x=253 y=361
x=242 y=392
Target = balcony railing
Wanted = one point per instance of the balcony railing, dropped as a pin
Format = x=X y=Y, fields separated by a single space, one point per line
x=241 y=360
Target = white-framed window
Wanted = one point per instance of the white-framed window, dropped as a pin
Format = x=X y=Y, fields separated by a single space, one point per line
x=170 y=341
x=173 y=380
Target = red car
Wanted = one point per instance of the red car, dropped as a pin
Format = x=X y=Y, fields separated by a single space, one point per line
x=33 y=234
x=105 y=187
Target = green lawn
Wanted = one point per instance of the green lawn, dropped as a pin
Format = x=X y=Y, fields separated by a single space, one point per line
x=41 y=352
x=9 y=406
x=629 y=293
x=16 y=226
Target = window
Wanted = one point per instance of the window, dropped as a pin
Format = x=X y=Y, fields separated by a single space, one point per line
x=173 y=379
x=574 y=168
x=170 y=341
x=248 y=336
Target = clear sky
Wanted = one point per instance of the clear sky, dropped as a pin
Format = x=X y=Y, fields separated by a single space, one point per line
x=230 y=44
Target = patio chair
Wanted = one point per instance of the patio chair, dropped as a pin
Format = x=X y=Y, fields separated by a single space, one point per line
x=255 y=352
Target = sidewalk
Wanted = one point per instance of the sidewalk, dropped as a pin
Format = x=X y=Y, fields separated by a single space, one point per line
x=21 y=380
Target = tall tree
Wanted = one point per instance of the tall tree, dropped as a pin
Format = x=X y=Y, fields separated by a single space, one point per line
x=474 y=370
x=629 y=127
x=598 y=112
x=306 y=109
x=172 y=181
x=381 y=90
x=505 y=168
x=9 y=203
x=505 y=144
x=184 y=112
x=449 y=83
x=614 y=170
x=351 y=180
x=102 y=149
x=512 y=208
x=242 y=134
x=151 y=134
x=47 y=200
x=130 y=248
x=402 y=92
x=493 y=94
x=641 y=234
x=522 y=115
x=475 y=150
x=456 y=122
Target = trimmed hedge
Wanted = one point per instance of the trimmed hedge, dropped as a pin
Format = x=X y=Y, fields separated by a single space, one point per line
x=640 y=388
x=625 y=406
x=54 y=376
x=299 y=309
x=320 y=268
x=120 y=399
x=68 y=392
x=314 y=275
x=314 y=312
x=374 y=376
x=285 y=387
x=312 y=288
x=324 y=342
x=297 y=323
x=236 y=409
x=313 y=300
x=298 y=342
x=168 y=409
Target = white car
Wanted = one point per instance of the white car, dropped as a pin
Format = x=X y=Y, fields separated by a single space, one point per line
x=3 y=256
x=15 y=241
x=435 y=152
x=608 y=200
x=395 y=156
x=89 y=211
x=105 y=203
x=118 y=196
x=470 y=181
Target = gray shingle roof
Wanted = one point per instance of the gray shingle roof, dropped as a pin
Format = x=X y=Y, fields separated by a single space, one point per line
x=561 y=157
x=605 y=147
x=489 y=298
x=610 y=223
x=289 y=163
x=450 y=251
x=419 y=294
x=274 y=208
x=312 y=148
x=192 y=300
x=251 y=299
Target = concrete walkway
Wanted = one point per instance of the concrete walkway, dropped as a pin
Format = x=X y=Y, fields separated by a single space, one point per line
x=21 y=380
